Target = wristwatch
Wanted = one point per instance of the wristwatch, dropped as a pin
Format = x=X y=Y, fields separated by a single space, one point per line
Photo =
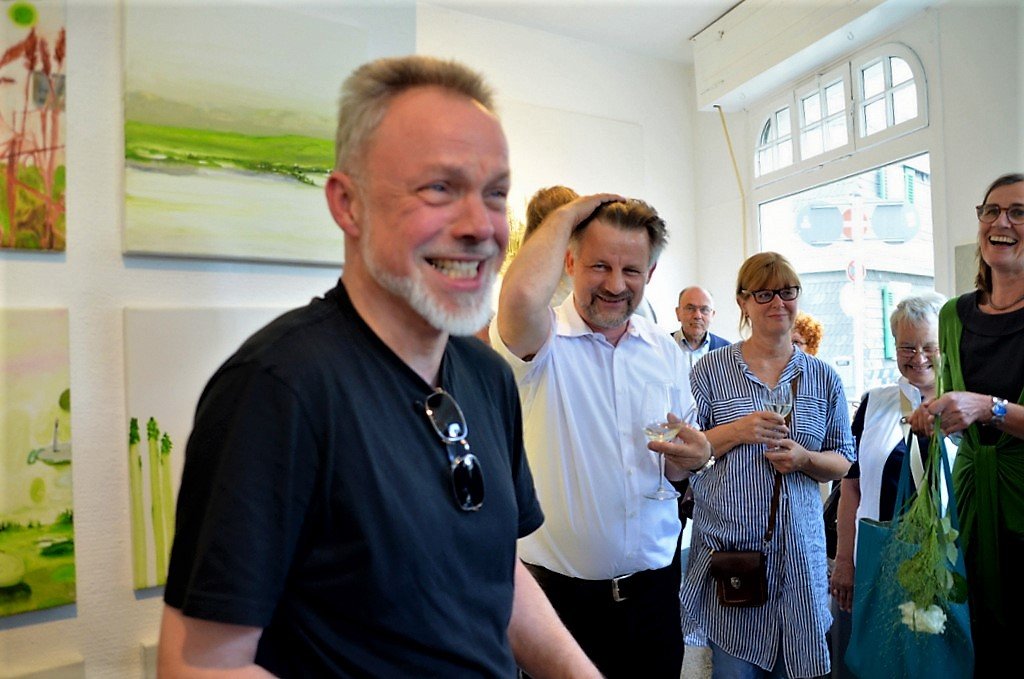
x=704 y=467
x=998 y=411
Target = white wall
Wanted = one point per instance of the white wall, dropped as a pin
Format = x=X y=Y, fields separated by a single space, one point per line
x=973 y=57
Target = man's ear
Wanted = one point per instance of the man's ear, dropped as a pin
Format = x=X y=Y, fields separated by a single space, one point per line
x=570 y=262
x=650 y=272
x=344 y=202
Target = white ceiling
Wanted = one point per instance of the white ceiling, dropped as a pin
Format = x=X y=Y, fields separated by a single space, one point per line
x=656 y=28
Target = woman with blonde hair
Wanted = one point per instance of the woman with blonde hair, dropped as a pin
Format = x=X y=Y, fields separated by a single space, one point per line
x=754 y=450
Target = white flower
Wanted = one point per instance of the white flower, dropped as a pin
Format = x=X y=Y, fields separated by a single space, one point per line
x=931 y=620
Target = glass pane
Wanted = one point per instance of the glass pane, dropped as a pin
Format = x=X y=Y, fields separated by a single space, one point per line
x=901 y=72
x=810 y=142
x=835 y=133
x=873 y=79
x=904 y=103
x=764 y=162
x=785 y=153
x=835 y=98
x=766 y=134
x=851 y=284
x=782 y=122
x=874 y=117
x=812 y=109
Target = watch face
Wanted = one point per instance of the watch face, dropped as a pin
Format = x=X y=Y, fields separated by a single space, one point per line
x=999 y=409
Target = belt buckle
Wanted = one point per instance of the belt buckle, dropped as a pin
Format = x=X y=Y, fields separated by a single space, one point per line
x=616 y=592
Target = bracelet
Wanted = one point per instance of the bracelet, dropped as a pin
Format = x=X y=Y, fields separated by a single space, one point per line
x=998 y=411
x=704 y=467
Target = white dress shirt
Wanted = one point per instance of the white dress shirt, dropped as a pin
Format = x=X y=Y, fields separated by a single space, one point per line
x=591 y=466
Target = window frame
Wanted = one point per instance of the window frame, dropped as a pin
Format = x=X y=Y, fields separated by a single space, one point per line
x=849 y=69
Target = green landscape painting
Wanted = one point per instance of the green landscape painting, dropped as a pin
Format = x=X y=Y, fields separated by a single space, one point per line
x=228 y=142
x=37 y=544
x=33 y=42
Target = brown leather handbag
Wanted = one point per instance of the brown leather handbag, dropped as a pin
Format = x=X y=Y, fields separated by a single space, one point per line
x=741 y=578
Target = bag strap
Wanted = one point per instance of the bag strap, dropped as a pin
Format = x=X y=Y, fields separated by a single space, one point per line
x=777 y=490
x=910 y=439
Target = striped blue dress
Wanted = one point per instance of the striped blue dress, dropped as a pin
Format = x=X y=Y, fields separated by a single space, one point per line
x=731 y=503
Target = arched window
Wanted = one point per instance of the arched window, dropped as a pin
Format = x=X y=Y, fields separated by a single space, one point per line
x=860 y=102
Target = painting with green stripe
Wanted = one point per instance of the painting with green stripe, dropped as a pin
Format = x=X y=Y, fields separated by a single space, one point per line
x=228 y=143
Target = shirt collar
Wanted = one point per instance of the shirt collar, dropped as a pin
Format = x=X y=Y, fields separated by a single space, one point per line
x=569 y=323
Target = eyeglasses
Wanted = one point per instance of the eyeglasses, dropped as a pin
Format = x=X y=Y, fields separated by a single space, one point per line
x=990 y=212
x=705 y=310
x=785 y=294
x=447 y=419
x=800 y=343
x=928 y=350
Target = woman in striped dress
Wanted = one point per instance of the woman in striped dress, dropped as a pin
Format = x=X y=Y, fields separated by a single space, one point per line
x=786 y=636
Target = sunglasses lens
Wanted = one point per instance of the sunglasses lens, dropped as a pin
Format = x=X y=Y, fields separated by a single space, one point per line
x=468 y=483
x=446 y=417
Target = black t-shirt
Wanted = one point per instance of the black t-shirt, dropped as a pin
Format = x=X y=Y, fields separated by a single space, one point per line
x=316 y=504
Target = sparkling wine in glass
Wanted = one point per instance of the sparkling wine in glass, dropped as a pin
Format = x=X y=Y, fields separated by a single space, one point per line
x=660 y=399
x=779 y=400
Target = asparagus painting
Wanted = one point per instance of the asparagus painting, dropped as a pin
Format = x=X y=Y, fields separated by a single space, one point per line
x=155 y=467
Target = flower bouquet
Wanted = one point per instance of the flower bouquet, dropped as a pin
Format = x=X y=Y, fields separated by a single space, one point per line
x=930 y=577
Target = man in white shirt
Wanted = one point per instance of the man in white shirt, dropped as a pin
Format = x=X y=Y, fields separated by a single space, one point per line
x=607 y=556
x=695 y=312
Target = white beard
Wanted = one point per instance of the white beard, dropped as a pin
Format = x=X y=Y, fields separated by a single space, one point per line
x=472 y=309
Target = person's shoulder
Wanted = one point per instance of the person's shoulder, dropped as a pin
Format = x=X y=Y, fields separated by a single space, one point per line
x=474 y=355
x=717 y=342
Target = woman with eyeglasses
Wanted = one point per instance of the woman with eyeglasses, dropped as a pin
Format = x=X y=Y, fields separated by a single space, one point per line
x=733 y=498
x=881 y=434
x=981 y=335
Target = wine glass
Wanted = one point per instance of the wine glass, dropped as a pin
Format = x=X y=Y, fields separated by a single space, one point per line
x=660 y=399
x=779 y=400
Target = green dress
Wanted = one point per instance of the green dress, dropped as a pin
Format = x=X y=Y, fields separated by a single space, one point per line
x=989 y=485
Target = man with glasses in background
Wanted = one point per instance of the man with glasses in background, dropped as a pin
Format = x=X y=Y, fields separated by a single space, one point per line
x=695 y=312
x=355 y=481
x=607 y=556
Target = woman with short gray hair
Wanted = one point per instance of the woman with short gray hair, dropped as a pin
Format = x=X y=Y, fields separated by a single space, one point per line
x=881 y=434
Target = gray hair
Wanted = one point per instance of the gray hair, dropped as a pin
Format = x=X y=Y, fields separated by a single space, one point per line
x=368 y=91
x=923 y=308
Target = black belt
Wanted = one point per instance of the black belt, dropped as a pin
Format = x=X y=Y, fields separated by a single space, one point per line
x=619 y=588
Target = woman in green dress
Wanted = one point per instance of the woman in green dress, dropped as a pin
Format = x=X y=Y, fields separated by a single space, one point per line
x=981 y=336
